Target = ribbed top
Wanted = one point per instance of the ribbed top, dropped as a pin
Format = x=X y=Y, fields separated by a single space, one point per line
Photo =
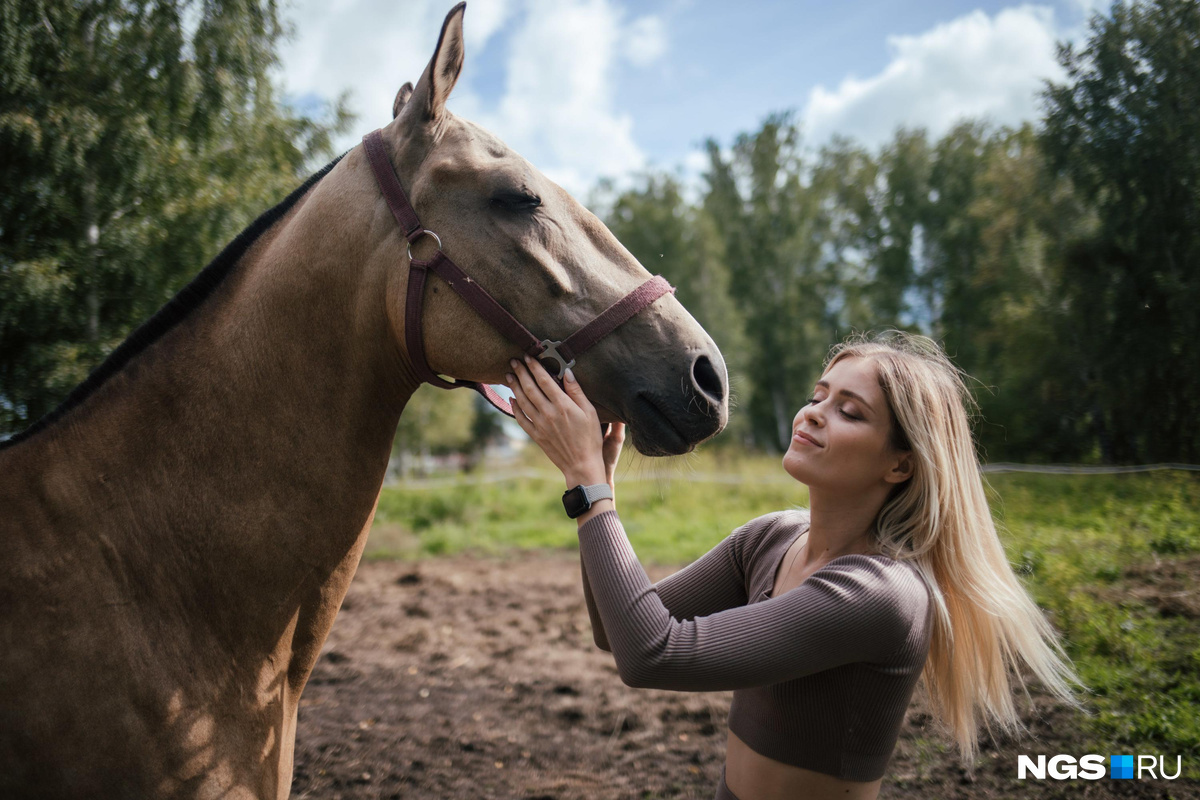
x=821 y=675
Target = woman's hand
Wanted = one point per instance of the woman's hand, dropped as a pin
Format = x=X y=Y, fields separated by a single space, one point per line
x=563 y=423
x=614 y=438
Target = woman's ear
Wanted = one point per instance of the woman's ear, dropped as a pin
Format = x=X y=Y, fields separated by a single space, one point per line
x=902 y=469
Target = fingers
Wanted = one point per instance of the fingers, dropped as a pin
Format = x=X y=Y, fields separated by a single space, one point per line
x=547 y=384
x=575 y=392
x=537 y=399
x=518 y=407
x=545 y=403
x=614 y=437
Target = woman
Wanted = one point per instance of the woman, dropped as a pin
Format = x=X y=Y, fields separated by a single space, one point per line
x=821 y=622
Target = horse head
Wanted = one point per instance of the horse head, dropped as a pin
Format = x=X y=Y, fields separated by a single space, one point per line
x=547 y=260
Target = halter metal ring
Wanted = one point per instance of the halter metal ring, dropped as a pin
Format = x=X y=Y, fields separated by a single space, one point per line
x=424 y=232
x=550 y=350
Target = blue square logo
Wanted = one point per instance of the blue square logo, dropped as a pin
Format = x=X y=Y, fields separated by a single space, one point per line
x=1120 y=767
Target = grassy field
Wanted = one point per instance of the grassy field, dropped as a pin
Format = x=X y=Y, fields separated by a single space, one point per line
x=673 y=509
x=1114 y=559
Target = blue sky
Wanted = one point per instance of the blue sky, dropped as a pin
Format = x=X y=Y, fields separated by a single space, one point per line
x=592 y=88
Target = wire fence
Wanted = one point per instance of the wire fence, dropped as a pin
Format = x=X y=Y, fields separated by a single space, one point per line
x=1081 y=469
x=734 y=479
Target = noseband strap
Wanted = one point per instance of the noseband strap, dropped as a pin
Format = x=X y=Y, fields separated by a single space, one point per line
x=563 y=352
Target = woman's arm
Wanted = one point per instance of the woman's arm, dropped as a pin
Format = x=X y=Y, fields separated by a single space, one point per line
x=856 y=608
x=714 y=582
x=598 y=635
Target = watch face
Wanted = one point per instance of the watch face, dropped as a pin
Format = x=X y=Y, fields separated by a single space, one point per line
x=575 y=502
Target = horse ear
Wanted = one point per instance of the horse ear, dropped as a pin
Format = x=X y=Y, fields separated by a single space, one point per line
x=436 y=83
x=401 y=98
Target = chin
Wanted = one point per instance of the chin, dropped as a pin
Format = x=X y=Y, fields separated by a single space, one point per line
x=795 y=467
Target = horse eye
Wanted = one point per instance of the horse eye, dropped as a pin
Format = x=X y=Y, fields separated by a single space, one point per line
x=516 y=201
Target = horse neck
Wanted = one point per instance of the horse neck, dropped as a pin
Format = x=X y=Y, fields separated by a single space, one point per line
x=238 y=460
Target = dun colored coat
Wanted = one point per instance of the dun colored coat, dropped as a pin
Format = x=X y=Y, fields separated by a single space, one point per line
x=177 y=538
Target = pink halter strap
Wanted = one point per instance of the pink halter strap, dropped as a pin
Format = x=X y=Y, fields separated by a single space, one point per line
x=564 y=352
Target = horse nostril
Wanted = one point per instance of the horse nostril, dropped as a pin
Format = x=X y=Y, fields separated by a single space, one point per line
x=707 y=379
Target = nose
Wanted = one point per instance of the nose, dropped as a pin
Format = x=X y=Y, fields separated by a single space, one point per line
x=675 y=406
x=708 y=379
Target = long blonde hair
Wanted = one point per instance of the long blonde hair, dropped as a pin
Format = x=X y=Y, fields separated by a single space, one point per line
x=985 y=626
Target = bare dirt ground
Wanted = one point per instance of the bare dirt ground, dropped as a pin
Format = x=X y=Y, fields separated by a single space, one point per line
x=477 y=678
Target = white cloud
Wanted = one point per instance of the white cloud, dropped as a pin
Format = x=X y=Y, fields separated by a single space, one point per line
x=691 y=170
x=486 y=18
x=558 y=107
x=974 y=66
x=371 y=47
x=1089 y=7
x=696 y=162
x=645 y=41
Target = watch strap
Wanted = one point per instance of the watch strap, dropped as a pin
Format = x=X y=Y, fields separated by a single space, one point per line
x=597 y=491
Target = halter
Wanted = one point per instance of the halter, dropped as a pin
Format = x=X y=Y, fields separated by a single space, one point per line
x=564 y=351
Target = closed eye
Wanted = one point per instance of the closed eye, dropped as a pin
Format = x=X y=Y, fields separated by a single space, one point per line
x=813 y=401
x=516 y=201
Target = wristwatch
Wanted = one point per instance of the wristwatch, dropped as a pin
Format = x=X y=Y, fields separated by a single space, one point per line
x=578 y=500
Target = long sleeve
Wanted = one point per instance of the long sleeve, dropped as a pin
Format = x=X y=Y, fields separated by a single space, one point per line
x=856 y=608
x=598 y=635
x=714 y=582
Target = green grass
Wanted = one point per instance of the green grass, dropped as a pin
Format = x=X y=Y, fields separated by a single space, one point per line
x=670 y=519
x=1079 y=541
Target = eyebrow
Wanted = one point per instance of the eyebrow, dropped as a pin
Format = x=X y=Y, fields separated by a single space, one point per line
x=855 y=395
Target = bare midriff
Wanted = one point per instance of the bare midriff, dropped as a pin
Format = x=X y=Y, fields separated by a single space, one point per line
x=752 y=776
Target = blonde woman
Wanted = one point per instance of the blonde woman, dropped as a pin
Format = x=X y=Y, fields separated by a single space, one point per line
x=822 y=621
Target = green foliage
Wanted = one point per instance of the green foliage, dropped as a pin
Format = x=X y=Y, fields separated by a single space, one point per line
x=1057 y=266
x=135 y=146
x=685 y=245
x=439 y=421
x=1123 y=130
x=775 y=230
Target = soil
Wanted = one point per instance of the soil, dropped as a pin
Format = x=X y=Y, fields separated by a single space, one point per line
x=1169 y=587
x=471 y=677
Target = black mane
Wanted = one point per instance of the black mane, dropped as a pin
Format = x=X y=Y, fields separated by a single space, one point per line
x=187 y=300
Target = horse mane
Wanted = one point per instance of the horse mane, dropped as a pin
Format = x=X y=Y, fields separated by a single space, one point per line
x=178 y=308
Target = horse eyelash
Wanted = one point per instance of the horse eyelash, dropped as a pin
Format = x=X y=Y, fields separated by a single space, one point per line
x=517 y=201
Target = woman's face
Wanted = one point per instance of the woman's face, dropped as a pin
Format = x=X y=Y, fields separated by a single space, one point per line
x=841 y=439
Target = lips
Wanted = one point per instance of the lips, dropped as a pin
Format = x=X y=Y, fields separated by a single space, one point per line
x=806 y=438
x=656 y=435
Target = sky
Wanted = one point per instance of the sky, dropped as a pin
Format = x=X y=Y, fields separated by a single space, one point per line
x=587 y=89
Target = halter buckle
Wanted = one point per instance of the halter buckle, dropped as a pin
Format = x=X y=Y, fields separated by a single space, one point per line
x=417 y=238
x=550 y=350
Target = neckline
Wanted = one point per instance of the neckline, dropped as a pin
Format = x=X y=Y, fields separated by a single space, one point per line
x=768 y=593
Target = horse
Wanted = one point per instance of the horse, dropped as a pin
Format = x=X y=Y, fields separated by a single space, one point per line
x=176 y=539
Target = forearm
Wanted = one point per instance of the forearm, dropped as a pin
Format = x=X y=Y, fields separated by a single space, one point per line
x=598 y=634
x=616 y=584
x=714 y=582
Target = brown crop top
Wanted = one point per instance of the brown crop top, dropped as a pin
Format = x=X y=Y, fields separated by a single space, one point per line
x=821 y=675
